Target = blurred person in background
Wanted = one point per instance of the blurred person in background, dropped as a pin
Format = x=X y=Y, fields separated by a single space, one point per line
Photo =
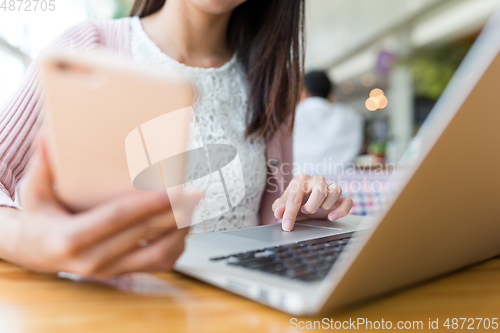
x=245 y=59
x=327 y=135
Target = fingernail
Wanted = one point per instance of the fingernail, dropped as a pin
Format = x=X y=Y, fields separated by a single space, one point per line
x=287 y=225
x=333 y=216
x=303 y=211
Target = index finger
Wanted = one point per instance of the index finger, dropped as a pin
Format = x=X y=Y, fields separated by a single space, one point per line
x=293 y=203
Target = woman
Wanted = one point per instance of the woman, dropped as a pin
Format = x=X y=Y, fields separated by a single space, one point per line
x=246 y=60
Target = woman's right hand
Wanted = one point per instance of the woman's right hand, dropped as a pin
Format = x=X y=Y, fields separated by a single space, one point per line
x=103 y=241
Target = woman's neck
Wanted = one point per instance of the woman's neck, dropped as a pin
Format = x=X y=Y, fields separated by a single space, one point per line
x=189 y=35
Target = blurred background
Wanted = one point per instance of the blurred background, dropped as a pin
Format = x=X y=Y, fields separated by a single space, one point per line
x=405 y=49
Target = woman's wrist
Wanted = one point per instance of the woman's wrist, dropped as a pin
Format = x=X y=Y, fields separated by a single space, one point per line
x=10 y=224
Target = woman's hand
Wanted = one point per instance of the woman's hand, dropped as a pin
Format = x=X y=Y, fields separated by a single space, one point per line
x=306 y=195
x=102 y=241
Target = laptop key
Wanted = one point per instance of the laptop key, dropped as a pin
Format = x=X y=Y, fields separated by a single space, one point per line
x=218 y=258
x=254 y=252
x=260 y=260
x=290 y=246
x=332 y=244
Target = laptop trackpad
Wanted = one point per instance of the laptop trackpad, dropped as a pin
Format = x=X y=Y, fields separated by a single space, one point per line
x=274 y=233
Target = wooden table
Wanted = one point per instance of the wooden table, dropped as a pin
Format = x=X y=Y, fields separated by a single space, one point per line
x=38 y=303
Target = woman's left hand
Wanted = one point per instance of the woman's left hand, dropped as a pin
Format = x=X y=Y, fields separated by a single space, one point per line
x=306 y=195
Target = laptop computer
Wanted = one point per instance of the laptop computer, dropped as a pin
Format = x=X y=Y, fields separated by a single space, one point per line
x=445 y=215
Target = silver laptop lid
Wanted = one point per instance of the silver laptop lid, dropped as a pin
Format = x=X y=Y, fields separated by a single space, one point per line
x=446 y=215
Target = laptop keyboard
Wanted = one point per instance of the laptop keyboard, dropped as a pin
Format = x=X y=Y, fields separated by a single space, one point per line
x=306 y=261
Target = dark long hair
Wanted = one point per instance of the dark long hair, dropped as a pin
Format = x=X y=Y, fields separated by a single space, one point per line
x=268 y=38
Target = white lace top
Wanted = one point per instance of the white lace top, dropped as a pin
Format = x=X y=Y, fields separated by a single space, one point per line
x=220 y=107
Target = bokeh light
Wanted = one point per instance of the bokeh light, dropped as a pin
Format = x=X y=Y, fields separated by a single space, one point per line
x=383 y=102
x=371 y=104
x=377 y=100
x=376 y=92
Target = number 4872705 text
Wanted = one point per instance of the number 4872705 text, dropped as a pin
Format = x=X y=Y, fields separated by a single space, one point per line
x=27 y=5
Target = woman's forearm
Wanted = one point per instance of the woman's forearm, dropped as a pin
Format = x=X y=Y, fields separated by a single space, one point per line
x=10 y=221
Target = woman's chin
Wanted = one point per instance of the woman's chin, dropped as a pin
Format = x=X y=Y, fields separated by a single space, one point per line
x=217 y=6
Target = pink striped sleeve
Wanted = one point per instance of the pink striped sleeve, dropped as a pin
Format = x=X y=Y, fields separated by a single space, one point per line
x=19 y=119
